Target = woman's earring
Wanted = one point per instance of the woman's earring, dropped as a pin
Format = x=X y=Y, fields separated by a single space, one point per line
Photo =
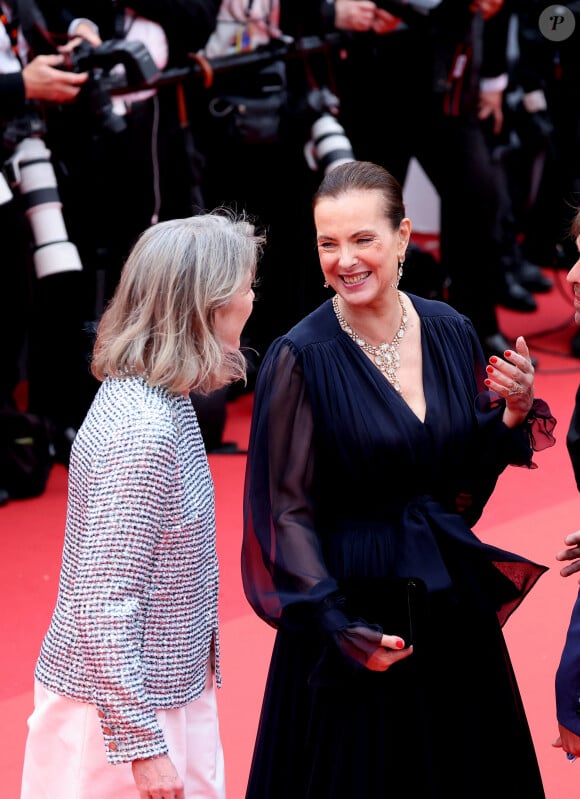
x=399 y=274
x=326 y=286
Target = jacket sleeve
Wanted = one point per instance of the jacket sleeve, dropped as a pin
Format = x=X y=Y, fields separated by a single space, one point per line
x=497 y=446
x=495 y=43
x=568 y=675
x=12 y=96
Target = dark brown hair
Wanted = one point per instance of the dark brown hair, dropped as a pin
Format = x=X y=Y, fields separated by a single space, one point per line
x=575 y=226
x=364 y=176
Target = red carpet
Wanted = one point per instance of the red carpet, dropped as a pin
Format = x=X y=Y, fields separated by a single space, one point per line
x=530 y=513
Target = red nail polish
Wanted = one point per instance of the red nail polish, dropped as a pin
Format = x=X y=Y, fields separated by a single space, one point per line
x=493 y=359
x=400 y=644
x=489 y=369
x=487 y=382
x=508 y=353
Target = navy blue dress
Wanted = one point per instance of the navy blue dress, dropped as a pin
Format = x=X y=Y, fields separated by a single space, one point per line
x=348 y=493
x=568 y=672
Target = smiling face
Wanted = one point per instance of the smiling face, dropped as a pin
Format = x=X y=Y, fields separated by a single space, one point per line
x=573 y=277
x=358 y=248
x=230 y=319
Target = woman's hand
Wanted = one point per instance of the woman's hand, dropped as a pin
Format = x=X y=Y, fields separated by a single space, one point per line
x=391 y=649
x=157 y=778
x=513 y=379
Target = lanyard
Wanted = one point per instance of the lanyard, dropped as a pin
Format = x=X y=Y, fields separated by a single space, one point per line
x=11 y=26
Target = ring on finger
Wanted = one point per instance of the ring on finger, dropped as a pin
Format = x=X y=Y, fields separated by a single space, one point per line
x=516 y=388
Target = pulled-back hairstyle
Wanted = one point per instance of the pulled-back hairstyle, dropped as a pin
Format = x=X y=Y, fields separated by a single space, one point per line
x=160 y=321
x=364 y=176
x=575 y=226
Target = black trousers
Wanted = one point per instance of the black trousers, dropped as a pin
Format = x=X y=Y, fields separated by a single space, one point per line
x=113 y=186
x=41 y=329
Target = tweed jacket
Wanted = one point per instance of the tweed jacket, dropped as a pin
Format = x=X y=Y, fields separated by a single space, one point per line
x=136 y=616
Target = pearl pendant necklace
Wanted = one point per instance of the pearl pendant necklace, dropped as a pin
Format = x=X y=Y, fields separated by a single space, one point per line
x=386 y=356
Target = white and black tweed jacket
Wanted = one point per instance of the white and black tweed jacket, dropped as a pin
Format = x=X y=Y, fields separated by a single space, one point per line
x=136 y=617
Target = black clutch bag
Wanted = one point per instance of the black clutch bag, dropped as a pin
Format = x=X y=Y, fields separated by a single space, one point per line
x=397 y=604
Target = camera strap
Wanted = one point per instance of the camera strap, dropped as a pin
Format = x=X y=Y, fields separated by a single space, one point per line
x=119 y=23
x=34 y=28
x=11 y=26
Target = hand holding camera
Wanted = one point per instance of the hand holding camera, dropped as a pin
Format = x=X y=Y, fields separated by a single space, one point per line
x=45 y=80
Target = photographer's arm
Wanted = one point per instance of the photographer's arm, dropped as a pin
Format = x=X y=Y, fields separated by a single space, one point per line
x=12 y=96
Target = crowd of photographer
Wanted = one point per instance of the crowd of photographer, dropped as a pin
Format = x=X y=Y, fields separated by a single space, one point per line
x=117 y=117
x=90 y=171
x=39 y=317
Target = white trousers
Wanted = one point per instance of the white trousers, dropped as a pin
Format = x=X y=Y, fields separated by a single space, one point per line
x=65 y=756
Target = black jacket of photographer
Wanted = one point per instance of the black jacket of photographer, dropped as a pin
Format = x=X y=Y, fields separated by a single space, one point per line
x=186 y=24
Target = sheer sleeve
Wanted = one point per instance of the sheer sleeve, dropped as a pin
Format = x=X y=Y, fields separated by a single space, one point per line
x=498 y=446
x=284 y=574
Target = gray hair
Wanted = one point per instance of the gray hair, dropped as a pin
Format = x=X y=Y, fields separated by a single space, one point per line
x=160 y=321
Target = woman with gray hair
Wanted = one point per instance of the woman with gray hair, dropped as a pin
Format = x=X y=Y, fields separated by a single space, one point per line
x=124 y=703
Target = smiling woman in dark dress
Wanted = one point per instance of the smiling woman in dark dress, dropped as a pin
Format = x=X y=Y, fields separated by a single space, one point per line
x=377 y=438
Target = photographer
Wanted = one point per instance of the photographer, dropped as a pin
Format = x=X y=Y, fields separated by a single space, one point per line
x=122 y=159
x=437 y=68
x=133 y=159
x=253 y=124
x=39 y=324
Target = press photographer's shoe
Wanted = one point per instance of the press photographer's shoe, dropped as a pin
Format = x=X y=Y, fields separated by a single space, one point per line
x=495 y=345
x=514 y=296
x=531 y=277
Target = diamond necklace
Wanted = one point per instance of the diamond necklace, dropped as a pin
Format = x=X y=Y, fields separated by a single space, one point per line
x=386 y=355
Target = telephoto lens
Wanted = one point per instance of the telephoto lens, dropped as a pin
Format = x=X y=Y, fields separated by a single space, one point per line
x=328 y=145
x=34 y=175
x=5 y=192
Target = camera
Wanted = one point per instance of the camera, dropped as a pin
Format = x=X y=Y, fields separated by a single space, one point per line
x=328 y=145
x=30 y=170
x=112 y=65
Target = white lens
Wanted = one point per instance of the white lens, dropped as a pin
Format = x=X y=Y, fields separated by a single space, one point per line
x=62 y=256
x=5 y=193
x=330 y=145
x=53 y=251
x=47 y=223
